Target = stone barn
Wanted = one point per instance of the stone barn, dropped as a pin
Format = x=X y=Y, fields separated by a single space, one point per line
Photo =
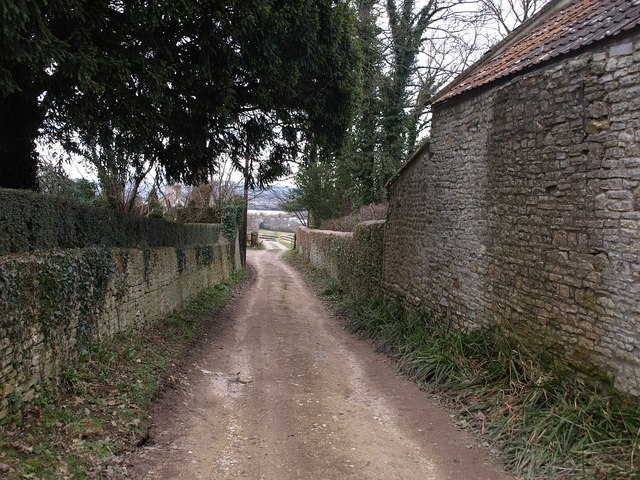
x=524 y=207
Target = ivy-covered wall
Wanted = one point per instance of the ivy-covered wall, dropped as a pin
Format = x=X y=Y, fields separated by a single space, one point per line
x=354 y=259
x=56 y=303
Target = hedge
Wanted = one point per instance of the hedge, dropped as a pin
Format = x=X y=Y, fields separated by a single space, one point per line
x=30 y=221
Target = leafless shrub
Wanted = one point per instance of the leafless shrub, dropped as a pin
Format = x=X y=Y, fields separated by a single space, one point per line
x=373 y=211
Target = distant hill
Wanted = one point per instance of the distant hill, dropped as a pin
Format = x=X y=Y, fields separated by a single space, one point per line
x=268 y=199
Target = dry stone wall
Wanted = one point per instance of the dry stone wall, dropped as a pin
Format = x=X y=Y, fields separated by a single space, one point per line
x=354 y=259
x=54 y=304
x=526 y=212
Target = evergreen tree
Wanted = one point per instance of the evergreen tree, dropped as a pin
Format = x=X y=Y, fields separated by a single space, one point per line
x=39 y=53
x=53 y=180
x=317 y=191
x=177 y=81
x=153 y=204
x=405 y=62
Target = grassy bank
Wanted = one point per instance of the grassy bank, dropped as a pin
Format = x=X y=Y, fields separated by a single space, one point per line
x=100 y=408
x=545 y=422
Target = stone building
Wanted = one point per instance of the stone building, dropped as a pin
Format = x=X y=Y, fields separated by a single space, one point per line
x=524 y=208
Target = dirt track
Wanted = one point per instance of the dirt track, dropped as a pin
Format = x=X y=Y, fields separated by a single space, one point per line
x=285 y=393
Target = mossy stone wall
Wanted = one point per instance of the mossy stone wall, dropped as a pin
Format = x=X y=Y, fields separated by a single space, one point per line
x=526 y=212
x=354 y=259
x=55 y=304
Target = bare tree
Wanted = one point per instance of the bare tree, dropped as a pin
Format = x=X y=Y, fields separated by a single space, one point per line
x=447 y=50
x=503 y=16
x=120 y=176
x=455 y=34
x=198 y=203
x=427 y=44
x=413 y=48
x=289 y=203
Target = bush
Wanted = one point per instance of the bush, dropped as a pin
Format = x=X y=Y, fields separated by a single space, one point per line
x=548 y=423
x=31 y=221
x=373 y=211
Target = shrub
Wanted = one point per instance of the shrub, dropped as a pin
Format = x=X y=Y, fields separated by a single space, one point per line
x=548 y=423
x=373 y=211
x=31 y=221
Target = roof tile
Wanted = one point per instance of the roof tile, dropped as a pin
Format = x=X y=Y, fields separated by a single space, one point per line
x=556 y=30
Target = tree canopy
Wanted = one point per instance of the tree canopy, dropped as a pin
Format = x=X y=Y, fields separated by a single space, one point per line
x=176 y=82
x=409 y=50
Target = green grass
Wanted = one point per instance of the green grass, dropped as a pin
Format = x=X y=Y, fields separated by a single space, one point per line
x=280 y=236
x=546 y=422
x=260 y=246
x=100 y=407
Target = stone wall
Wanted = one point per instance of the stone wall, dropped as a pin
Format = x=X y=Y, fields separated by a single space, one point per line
x=54 y=304
x=526 y=212
x=354 y=259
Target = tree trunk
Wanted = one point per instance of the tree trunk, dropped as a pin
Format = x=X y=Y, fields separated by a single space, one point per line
x=20 y=118
x=243 y=234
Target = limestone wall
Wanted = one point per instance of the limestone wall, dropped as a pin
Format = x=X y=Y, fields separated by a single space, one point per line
x=527 y=212
x=54 y=304
x=353 y=259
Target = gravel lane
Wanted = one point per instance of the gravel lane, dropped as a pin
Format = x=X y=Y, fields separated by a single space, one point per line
x=284 y=392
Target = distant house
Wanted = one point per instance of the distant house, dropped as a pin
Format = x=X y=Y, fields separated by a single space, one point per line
x=524 y=208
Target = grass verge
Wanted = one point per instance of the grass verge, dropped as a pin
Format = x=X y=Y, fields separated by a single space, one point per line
x=545 y=422
x=100 y=407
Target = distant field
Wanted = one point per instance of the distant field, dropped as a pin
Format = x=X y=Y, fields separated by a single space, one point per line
x=284 y=238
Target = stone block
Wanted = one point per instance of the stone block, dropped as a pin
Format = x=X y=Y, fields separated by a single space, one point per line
x=625 y=48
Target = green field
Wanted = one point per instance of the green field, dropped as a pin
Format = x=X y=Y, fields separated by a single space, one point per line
x=285 y=238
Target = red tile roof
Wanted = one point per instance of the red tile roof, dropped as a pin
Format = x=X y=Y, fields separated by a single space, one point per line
x=559 y=28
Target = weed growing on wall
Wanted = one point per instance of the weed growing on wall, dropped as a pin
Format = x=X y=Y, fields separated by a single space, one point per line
x=547 y=423
x=181 y=258
x=352 y=259
x=146 y=265
x=204 y=255
x=59 y=289
x=233 y=211
x=121 y=265
x=232 y=216
x=15 y=403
